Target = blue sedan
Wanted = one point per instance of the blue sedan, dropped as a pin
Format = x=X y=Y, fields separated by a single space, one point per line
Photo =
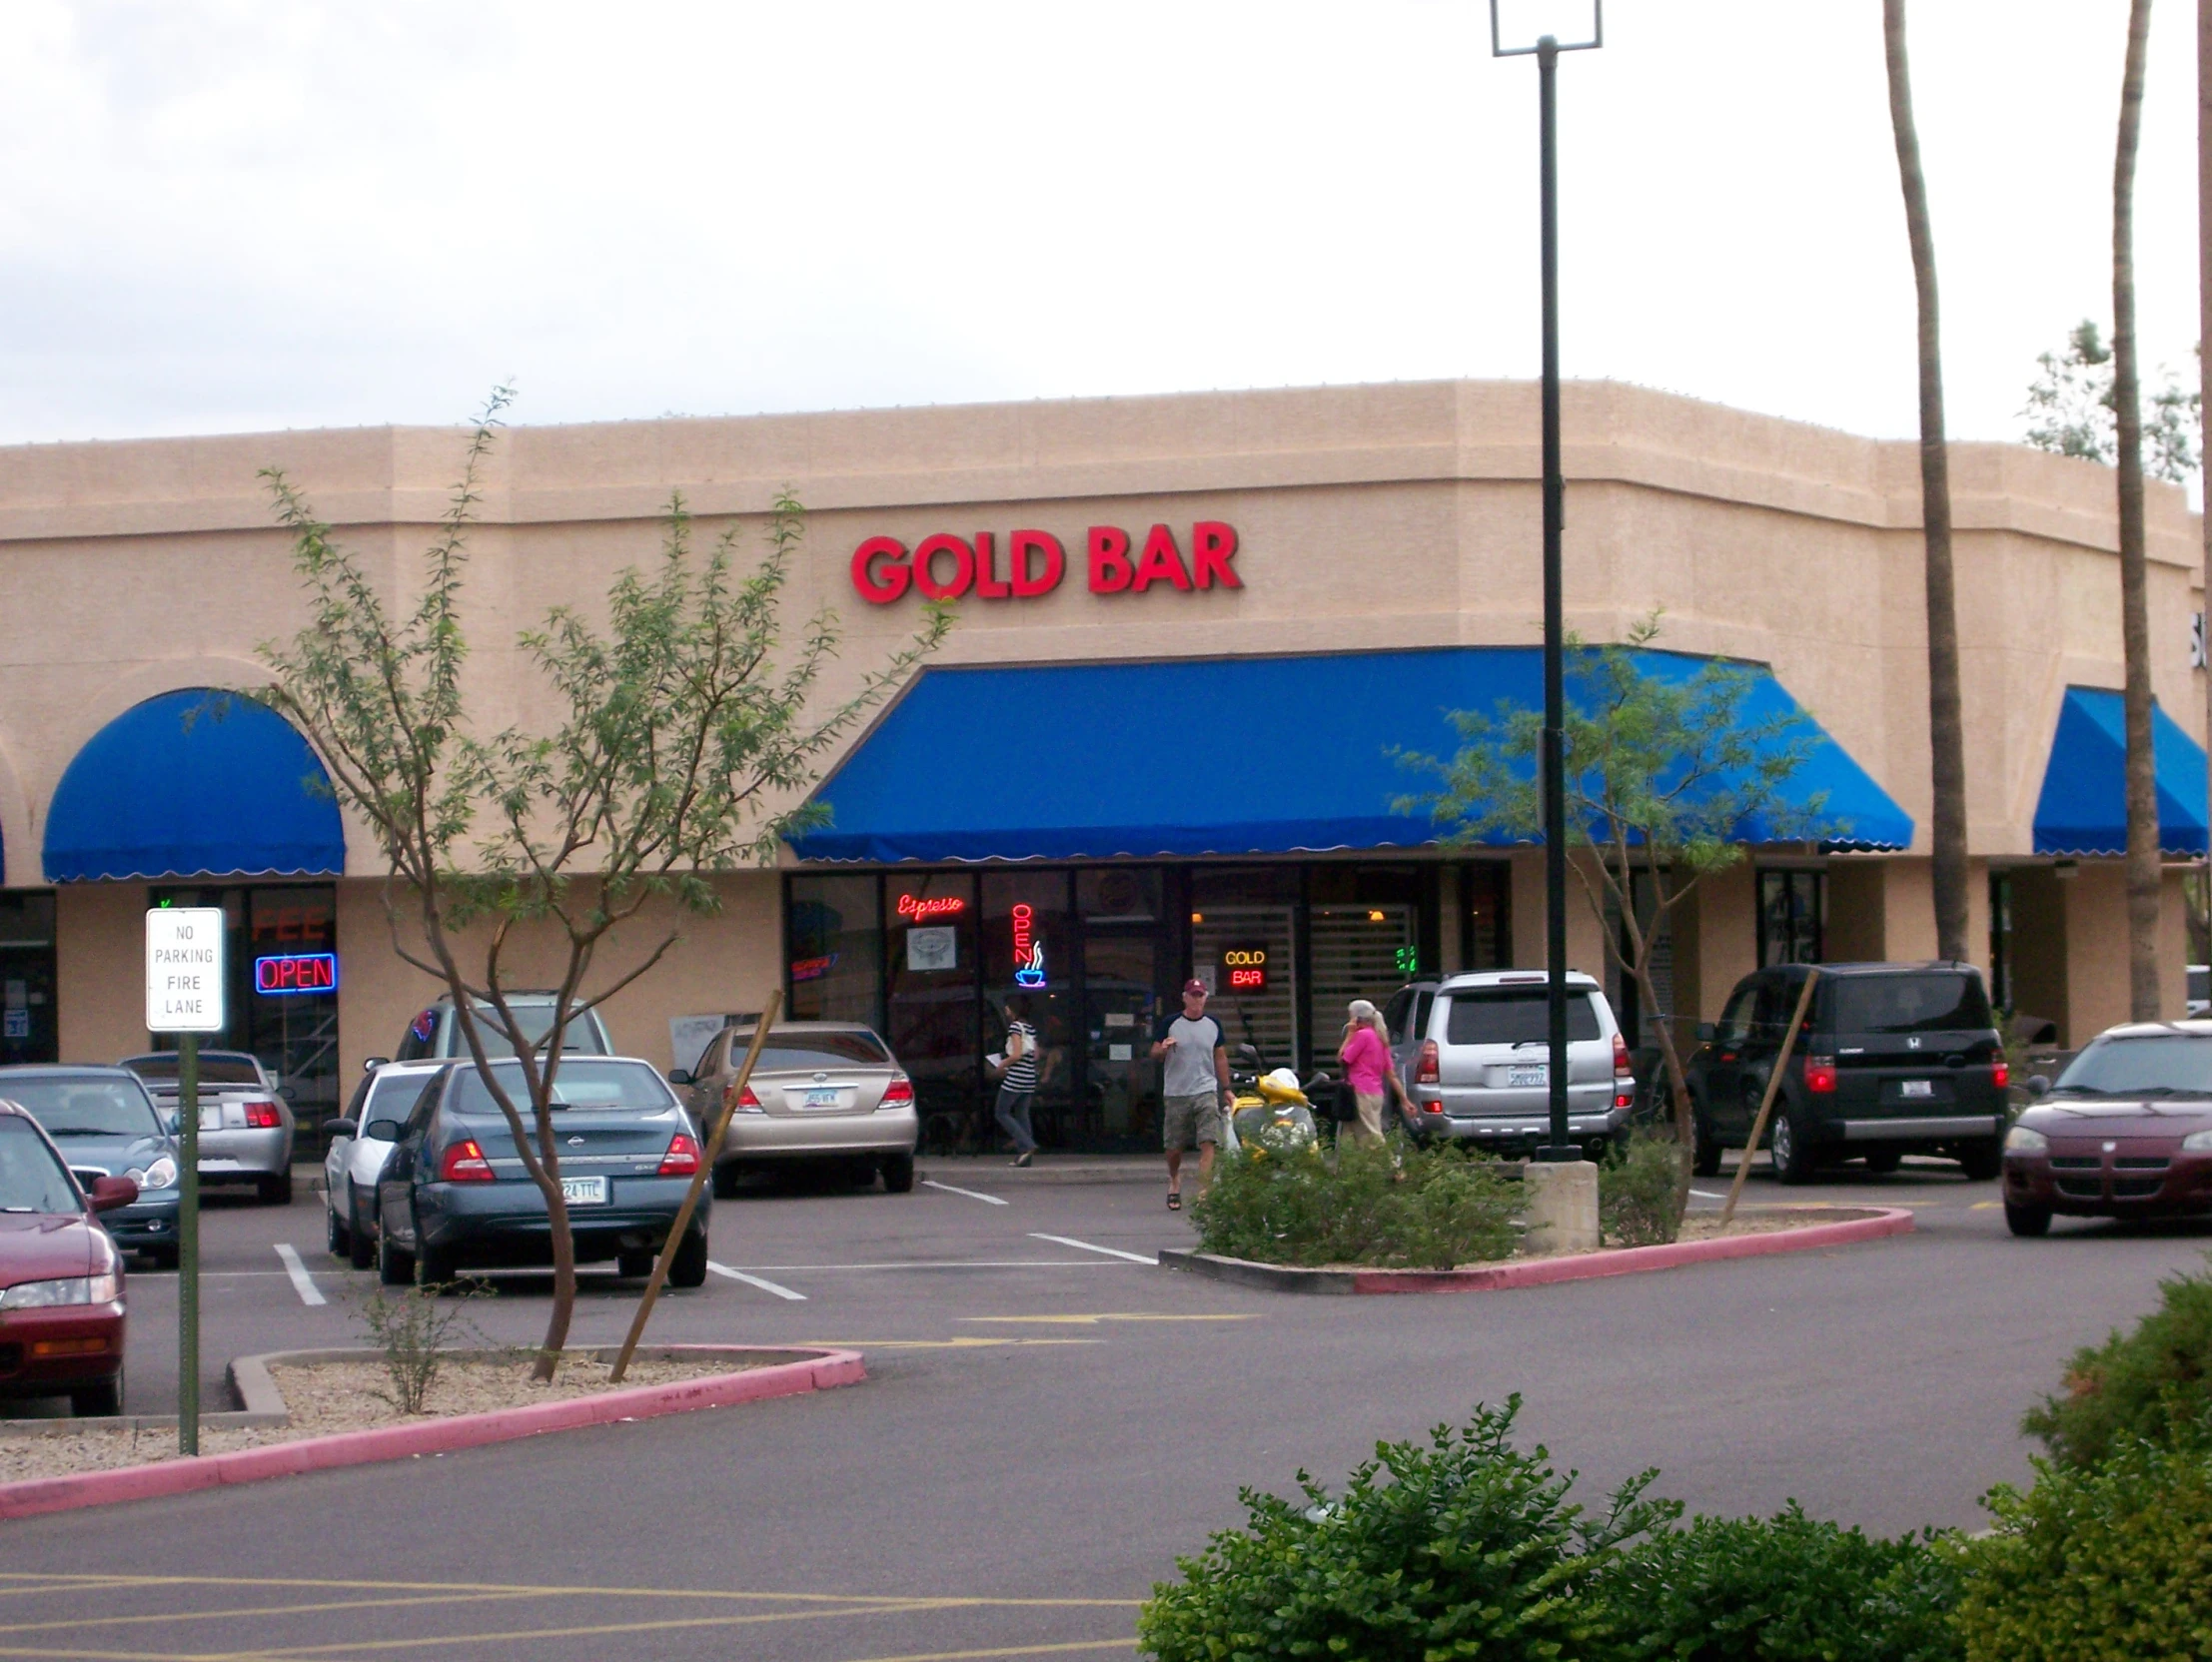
x=105 y=1125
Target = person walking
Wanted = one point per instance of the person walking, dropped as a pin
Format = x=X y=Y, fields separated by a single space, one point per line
x=1367 y=1065
x=1193 y=1088
x=1017 y=1084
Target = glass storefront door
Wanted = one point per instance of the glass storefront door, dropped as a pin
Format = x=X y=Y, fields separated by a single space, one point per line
x=30 y=1029
x=930 y=1001
x=1121 y=1005
x=1029 y=975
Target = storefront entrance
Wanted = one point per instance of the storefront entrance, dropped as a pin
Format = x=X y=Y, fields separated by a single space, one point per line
x=30 y=1027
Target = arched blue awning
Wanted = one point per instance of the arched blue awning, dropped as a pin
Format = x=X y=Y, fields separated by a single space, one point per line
x=1225 y=757
x=194 y=784
x=2083 y=808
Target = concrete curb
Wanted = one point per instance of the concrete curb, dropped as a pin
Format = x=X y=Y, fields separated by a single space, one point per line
x=969 y=1170
x=807 y=1370
x=1627 y=1260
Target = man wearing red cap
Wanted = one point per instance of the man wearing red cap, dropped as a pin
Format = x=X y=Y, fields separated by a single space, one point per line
x=1194 y=1087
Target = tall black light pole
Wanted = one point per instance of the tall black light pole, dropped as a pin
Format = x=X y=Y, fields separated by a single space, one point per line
x=1546 y=49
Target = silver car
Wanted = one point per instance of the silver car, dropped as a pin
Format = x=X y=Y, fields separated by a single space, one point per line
x=822 y=1090
x=245 y=1123
x=356 y=1158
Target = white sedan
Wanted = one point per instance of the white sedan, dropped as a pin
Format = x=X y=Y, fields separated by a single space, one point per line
x=389 y=1091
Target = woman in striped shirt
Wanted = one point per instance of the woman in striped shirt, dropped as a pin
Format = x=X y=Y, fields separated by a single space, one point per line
x=1018 y=1085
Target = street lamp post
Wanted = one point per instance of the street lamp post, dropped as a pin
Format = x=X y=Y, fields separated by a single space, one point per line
x=1546 y=49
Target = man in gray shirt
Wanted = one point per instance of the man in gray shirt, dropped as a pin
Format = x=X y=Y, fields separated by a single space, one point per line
x=1194 y=1087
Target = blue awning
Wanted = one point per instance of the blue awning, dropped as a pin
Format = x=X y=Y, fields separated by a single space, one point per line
x=1213 y=757
x=194 y=784
x=2083 y=808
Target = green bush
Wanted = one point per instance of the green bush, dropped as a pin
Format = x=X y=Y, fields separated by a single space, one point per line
x=1466 y=1547
x=2138 y=1384
x=1641 y=1189
x=1448 y=1208
x=2111 y=1563
x=1782 y=1589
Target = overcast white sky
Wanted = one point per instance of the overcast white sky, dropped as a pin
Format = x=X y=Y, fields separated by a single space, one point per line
x=271 y=213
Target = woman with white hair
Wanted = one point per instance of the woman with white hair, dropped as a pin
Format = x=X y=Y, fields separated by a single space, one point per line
x=1365 y=1054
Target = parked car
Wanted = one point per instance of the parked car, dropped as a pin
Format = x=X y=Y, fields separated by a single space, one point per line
x=2125 y=1133
x=385 y=1095
x=455 y=1193
x=1894 y=1059
x=1471 y=1052
x=822 y=1090
x=435 y=1035
x=2200 y=989
x=105 y=1125
x=246 y=1125
x=60 y=1274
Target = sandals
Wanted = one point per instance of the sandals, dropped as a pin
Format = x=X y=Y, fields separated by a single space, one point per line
x=1175 y=1200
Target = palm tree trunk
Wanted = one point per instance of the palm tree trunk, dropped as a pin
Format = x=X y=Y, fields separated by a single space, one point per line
x=2142 y=779
x=1947 y=735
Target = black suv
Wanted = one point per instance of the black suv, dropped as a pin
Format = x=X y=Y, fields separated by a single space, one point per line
x=1894 y=1059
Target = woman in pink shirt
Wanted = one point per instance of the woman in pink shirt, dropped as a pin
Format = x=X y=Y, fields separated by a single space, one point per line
x=1366 y=1058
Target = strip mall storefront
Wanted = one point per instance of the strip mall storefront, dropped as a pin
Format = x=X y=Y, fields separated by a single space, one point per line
x=1197 y=637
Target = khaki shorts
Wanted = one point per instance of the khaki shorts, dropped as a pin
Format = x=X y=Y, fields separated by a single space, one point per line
x=1185 y=1121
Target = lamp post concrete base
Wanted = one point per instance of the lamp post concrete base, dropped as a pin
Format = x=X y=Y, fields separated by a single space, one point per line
x=1563 y=1206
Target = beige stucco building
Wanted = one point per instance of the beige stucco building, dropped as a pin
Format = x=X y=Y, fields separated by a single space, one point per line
x=1362 y=519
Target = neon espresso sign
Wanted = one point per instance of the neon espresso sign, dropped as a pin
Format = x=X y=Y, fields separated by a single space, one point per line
x=948 y=567
x=917 y=909
x=1029 y=963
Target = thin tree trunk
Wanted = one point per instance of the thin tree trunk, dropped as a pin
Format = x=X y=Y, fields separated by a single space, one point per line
x=1946 y=733
x=2142 y=779
x=2204 y=380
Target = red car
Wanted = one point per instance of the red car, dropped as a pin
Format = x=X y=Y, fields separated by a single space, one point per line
x=61 y=1276
x=2125 y=1133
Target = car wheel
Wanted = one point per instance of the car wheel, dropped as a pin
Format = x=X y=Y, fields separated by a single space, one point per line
x=1704 y=1148
x=1791 y=1153
x=275 y=1190
x=335 y=1234
x=1982 y=1161
x=360 y=1246
x=688 y=1266
x=898 y=1174
x=633 y=1266
x=2027 y=1219
x=97 y=1396
x=1884 y=1161
x=394 y=1268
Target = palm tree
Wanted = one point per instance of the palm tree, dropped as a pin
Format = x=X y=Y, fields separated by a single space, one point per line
x=2142 y=778
x=1947 y=736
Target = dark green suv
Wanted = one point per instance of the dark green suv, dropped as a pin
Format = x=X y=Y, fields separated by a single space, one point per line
x=1894 y=1059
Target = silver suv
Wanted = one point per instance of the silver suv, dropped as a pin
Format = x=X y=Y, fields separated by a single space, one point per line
x=1471 y=1052
x=435 y=1036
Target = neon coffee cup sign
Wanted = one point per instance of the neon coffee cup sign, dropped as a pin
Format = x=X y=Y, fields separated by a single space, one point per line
x=948 y=567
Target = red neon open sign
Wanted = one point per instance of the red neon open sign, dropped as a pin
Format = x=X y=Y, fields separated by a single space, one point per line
x=285 y=973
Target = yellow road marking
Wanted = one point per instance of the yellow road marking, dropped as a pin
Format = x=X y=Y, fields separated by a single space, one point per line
x=1985 y=1206
x=417 y=1599
x=1110 y=1316
x=63 y=1581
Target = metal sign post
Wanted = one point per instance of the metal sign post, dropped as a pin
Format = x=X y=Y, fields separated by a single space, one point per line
x=183 y=996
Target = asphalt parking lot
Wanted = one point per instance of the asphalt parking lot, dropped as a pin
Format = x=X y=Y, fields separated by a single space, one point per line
x=1049 y=1421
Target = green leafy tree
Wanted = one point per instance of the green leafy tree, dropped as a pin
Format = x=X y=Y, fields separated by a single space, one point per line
x=1665 y=778
x=679 y=734
x=2069 y=409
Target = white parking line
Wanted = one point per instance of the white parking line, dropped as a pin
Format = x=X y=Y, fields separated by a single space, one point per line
x=1091 y=1246
x=1704 y=1196
x=946 y=1263
x=302 y=1281
x=932 y=1183
x=755 y=1280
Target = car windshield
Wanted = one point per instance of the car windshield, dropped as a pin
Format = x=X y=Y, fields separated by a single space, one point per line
x=1515 y=1015
x=813 y=1052
x=215 y=1069
x=31 y=1179
x=2162 y=1064
x=393 y=1096
x=2200 y=982
x=84 y=1107
x=1945 y=1001
x=599 y=1087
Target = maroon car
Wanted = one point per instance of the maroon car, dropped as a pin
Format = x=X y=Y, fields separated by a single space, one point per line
x=2125 y=1133
x=61 y=1278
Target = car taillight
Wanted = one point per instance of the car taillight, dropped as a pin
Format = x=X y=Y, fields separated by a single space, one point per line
x=900 y=1090
x=1620 y=1067
x=464 y=1161
x=1428 y=1072
x=263 y=1116
x=682 y=1158
x=2000 y=1073
x=1820 y=1072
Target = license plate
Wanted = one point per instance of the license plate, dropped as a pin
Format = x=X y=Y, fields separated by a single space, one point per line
x=1529 y=1076
x=1916 y=1088
x=822 y=1099
x=583 y=1192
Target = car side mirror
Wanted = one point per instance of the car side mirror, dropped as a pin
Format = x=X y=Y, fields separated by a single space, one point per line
x=680 y=1075
x=1705 y=1033
x=373 y=1063
x=383 y=1130
x=341 y=1127
x=110 y=1193
x=2038 y=1085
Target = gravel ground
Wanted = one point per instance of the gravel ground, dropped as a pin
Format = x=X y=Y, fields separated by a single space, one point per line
x=336 y=1396
x=1768 y=1220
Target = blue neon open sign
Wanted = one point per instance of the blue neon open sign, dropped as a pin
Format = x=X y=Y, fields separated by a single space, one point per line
x=283 y=973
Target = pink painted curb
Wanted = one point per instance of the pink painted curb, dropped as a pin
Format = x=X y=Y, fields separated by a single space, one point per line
x=812 y=1370
x=1629 y=1260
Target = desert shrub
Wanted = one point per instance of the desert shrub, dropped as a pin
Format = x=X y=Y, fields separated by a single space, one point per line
x=2137 y=1384
x=1462 y=1547
x=1448 y=1208
x=1640 y=1189
x=1783 y=1589
x=2103 y=1563
x=413 y=1328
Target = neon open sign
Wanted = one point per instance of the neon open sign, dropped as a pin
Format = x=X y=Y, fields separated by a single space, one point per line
x=285 y=973
x=1029 y=963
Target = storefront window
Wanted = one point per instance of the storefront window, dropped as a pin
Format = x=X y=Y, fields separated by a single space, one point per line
x=1129 y=949
x=1243 y=949
x=29 y=1019
x=1486 y=915
x=932 y=982
x=1028 y=958
x=1364 y=942
x=2000 y=942
x=836 y=942
x=1792 y=915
